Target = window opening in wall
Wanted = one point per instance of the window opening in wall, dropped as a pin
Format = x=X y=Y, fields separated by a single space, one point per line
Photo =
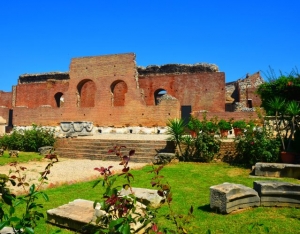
x=158 y=94
x=186 y=113
x=118 y=91
x=59 y=99
x=249 y=103
x=85 y=94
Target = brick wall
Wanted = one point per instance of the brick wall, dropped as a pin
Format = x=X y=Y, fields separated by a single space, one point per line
x=228 y=115
x=251 y=93
x=108 y=91
x=4 y=113
x=134 y=114
x=6 y=99
x=34 y=95
x=203 y=91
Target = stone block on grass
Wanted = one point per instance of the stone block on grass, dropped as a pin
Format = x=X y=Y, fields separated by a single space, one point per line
x=145 y=196
x=229 y=197
x=277 y=193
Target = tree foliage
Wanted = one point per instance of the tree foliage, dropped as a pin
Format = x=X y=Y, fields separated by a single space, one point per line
x=286 y=87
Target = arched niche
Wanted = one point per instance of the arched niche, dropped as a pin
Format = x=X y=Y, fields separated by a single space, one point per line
x=118 y=90
x=158 y=94
x=59 y=99
x=86 y=91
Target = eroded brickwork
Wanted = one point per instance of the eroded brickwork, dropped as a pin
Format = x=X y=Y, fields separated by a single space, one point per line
x=111 y=91
x=203 y=91
x=241 y=94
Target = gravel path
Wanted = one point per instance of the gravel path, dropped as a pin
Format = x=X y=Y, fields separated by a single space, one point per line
x=66 y=171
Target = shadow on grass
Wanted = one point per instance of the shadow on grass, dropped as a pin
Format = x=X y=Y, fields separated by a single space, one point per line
x=205 y=208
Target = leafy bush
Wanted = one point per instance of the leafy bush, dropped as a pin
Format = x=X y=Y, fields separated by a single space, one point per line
x=239 y=124
x=201 y=147
x=224 y=125
x=285 y=87
x=176 y=130
x=28 y=140
x=257 y=145
x=22 y=213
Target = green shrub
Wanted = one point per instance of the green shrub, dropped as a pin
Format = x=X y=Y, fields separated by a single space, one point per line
x=202 y=146
x=239 y=124
x=284 y=87
x=224 y=125
x=28 y=140
x=257 y=145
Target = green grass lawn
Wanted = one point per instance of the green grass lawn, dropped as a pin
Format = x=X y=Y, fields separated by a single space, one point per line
x=23 y=157
x=190 y=184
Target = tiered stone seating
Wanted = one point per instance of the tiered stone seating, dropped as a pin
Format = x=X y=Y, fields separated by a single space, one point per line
x=145 y=150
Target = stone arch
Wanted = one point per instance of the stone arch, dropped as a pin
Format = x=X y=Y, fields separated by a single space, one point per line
x=59 y=99
x=158 y=94
x=118 y=90
x=86 y=91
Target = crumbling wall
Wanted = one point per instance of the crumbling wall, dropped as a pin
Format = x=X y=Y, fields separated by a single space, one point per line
x=241 y=94
x=247 y=88
x=43 y=77
x=177 y=69
x=203 y=91
x=111 y=91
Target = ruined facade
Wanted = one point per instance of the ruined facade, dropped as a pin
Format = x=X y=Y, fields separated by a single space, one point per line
x=112 y=91
x=241 y=94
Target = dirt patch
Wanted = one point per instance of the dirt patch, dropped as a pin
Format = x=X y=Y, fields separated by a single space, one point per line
x=66 y=171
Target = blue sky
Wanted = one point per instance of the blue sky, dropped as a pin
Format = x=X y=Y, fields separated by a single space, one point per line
x=240 y=37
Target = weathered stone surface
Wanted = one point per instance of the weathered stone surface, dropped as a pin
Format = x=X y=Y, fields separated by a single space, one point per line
x=228 y=197
x=276 y=193
x=42 y=77
x=45 y=150
x=163 y=158
x=145 y=196
x=77 y=128
x=80 y=215
x=7 y=230
x=13 y=153
x=74 y=215
x=178 y=68
x=277 y=170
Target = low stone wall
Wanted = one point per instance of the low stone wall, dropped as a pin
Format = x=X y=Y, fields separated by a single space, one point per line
x=227 y=151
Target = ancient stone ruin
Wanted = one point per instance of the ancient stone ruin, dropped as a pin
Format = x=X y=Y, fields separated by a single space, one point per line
x=111 y=91
x=228 y=197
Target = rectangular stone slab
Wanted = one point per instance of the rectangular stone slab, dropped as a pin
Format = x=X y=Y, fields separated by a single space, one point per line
x=277 y=170
x=74 y=215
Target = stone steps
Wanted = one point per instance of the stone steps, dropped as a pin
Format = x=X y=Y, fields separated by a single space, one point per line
x=98 y=148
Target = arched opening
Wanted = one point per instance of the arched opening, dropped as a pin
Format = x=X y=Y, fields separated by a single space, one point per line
x=158 y=94
x=118 y=90
x=86 y=91
x=59 y=99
